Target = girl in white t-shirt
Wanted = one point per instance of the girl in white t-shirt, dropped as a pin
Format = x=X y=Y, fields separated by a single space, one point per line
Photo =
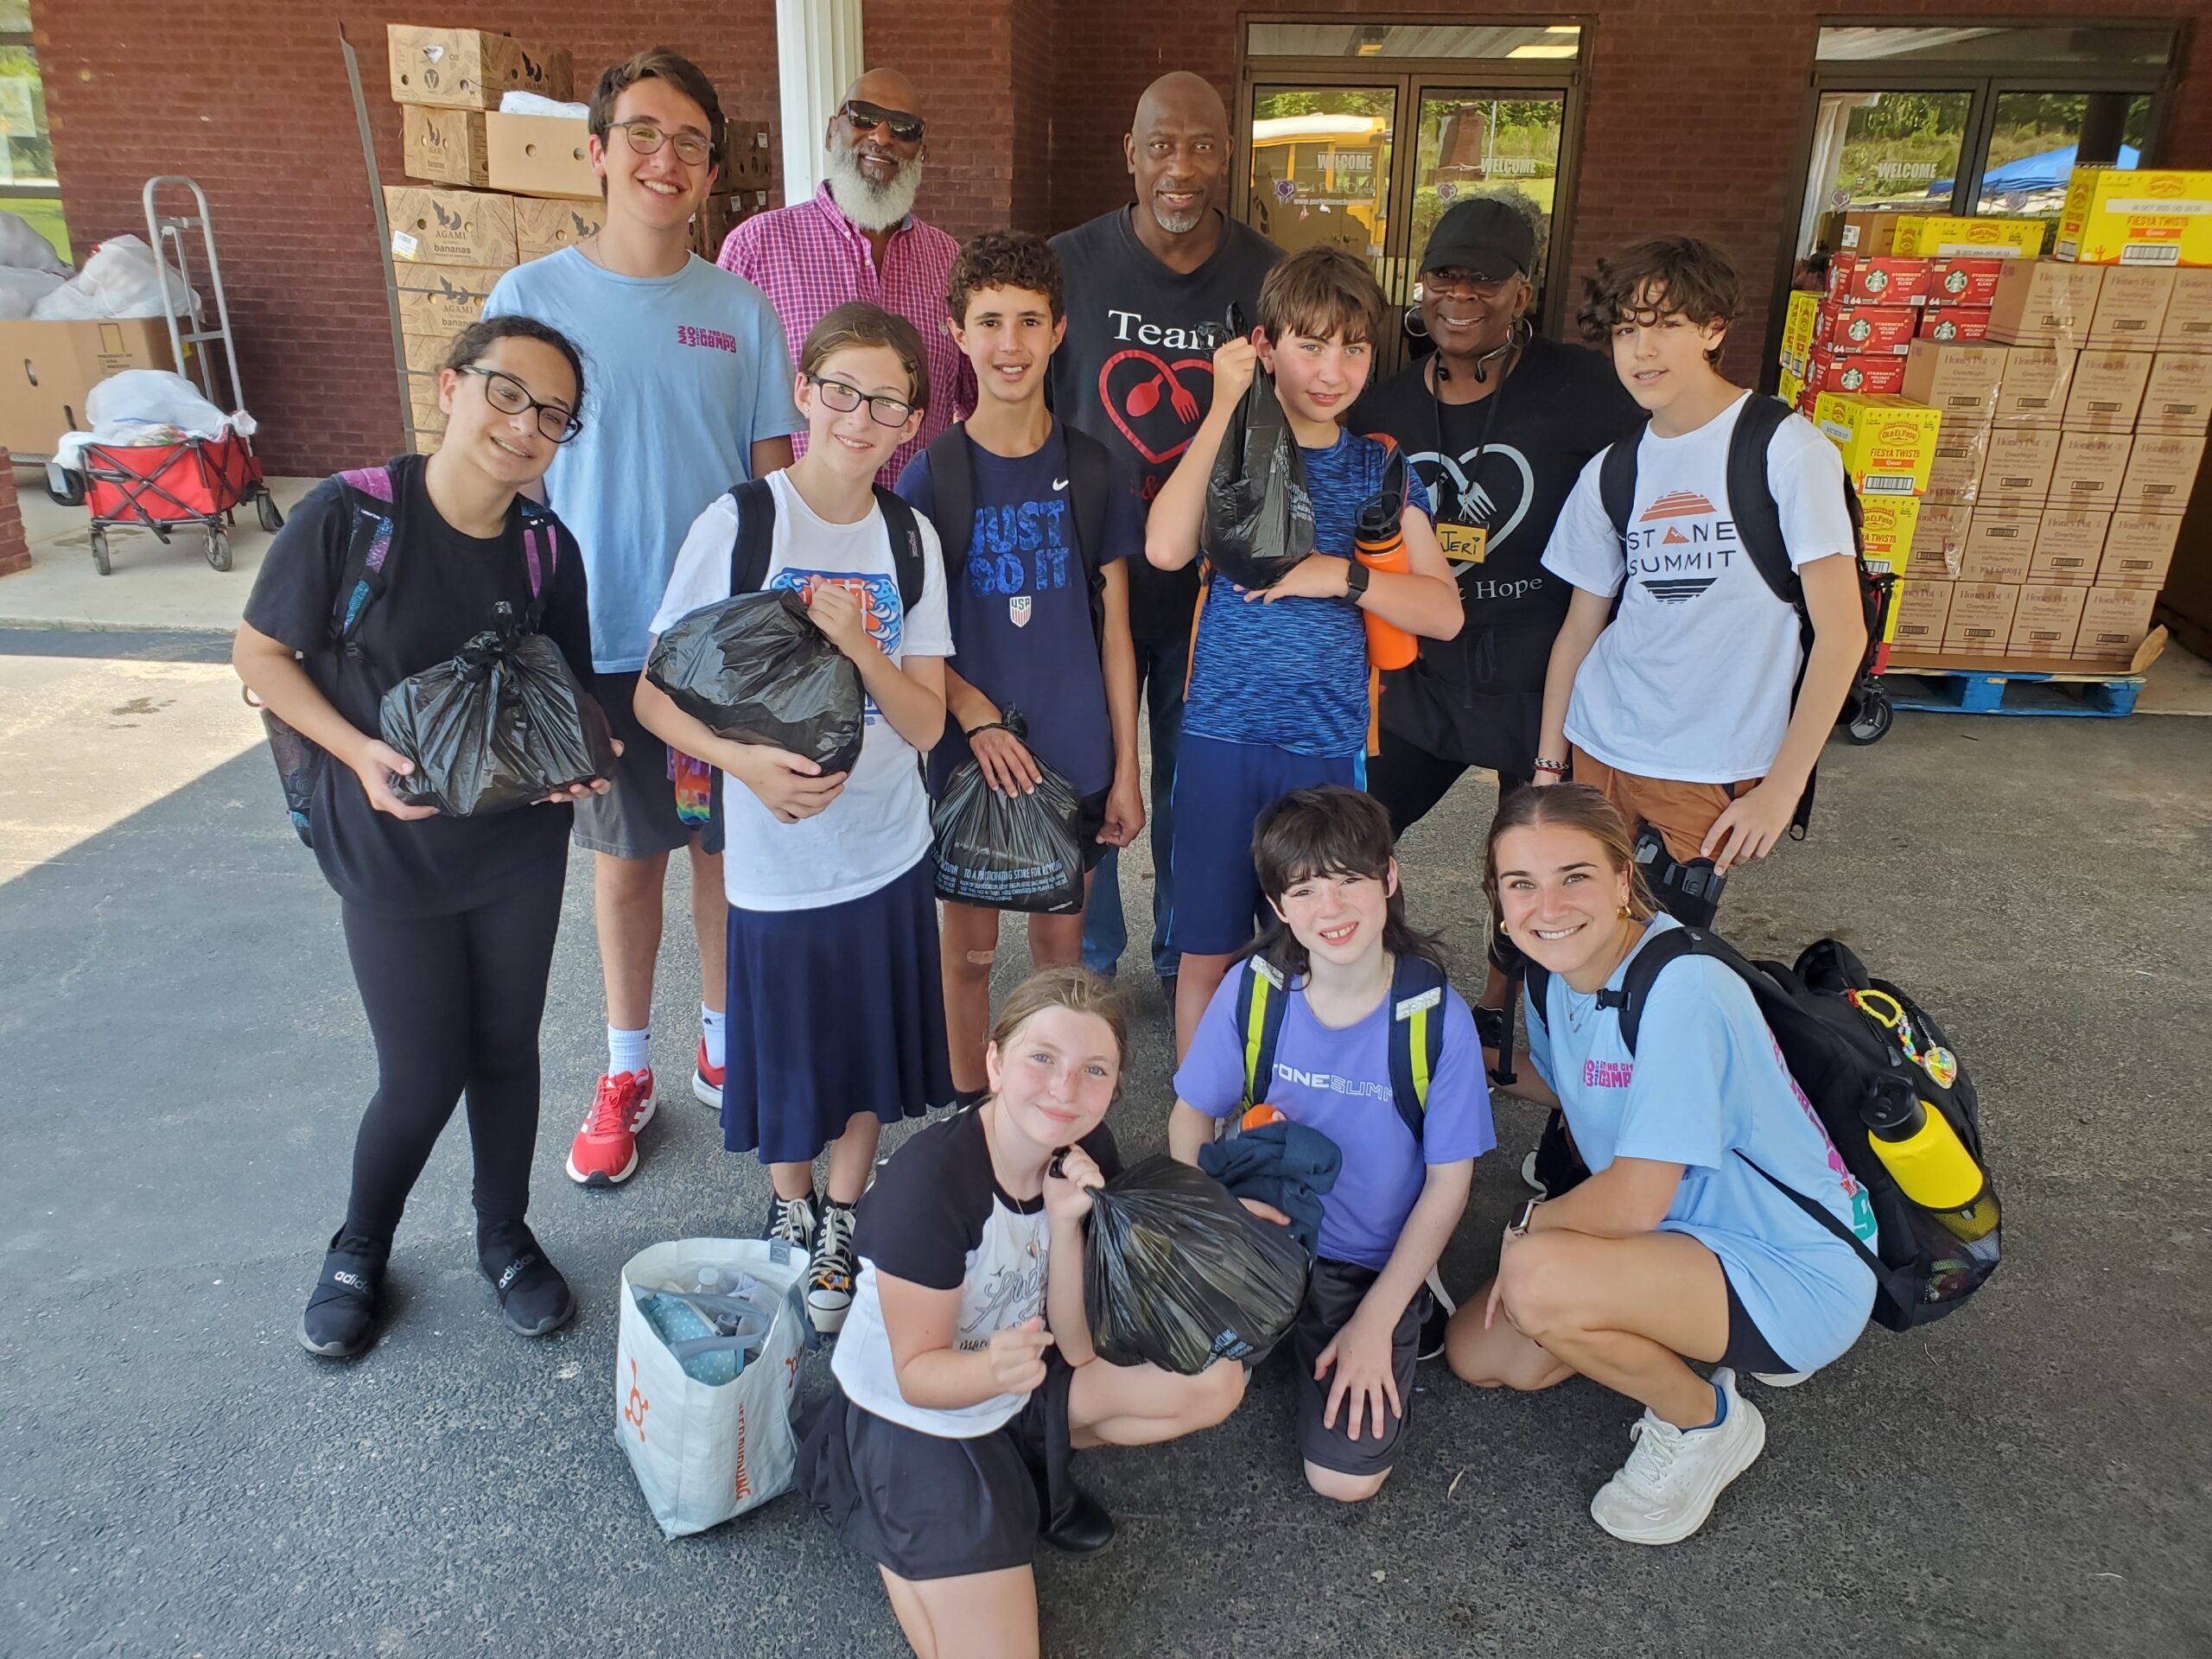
x=966 y=1376
x=837 y=1013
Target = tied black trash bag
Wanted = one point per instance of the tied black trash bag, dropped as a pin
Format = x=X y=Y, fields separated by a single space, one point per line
x=754 y=669
x=1178 y=1273
x=1259 y=519
x=1009 y=852
x=500 y=724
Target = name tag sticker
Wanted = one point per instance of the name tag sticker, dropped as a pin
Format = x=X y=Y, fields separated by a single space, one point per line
x=1413 y=1004
x=1464 y=544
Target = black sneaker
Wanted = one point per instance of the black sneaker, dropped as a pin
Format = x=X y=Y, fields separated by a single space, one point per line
x=1441 y=1309
x=340 y=1317
x=791 y=1221
x=535 y=1301
x=829 y=1282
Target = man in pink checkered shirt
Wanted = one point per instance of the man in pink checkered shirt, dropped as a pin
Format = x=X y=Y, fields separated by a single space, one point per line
x=857 y=238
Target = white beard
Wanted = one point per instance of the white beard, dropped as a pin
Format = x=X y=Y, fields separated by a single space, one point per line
x=872 y=208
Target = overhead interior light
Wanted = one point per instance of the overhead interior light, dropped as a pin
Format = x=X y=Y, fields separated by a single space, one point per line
x=1533 y=51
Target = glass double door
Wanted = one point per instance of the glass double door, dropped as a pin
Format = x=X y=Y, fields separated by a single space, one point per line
x=1324 y=164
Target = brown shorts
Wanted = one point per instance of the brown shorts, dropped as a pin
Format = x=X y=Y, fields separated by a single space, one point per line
x=1682 y=813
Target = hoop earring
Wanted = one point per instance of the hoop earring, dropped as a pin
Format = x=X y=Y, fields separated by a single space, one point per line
x=1520 y=334
x=1414 y=325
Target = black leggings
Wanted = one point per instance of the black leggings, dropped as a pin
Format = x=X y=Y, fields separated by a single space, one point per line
x=455 y=1004
x=1409 y=781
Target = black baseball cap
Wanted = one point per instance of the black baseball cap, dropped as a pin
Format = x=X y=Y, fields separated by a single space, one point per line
x=1484 y=236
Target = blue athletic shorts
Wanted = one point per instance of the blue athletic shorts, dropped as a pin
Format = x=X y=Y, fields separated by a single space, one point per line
x=1221 y=789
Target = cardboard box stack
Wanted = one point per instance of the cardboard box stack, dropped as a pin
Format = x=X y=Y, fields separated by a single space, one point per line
x=493 y=190
x=2071 y=435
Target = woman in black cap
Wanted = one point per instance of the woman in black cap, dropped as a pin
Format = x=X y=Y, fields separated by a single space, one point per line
x=1498 y=421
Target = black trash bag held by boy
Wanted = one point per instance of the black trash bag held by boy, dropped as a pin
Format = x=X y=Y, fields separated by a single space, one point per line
x=1178 y=1273
x=1009 y=852
x=754 y=669
x=1259 y=519
x=499 y=725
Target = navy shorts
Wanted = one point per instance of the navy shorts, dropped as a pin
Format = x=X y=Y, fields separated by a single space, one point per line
x=1221 y=789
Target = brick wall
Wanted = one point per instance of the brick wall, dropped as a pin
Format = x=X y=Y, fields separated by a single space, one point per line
x=14 y=550
x=1028 y=101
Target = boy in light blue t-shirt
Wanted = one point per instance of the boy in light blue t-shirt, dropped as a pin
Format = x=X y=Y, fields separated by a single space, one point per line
x=1278 y=697
x=690 y=394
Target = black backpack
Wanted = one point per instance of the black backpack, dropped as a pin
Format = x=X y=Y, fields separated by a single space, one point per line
x=753 y=548
x=1758 y=528
x=1841 y=1055
x=1091 y=483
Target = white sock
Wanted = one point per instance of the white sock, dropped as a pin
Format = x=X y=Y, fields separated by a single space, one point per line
x=628 y=1051
x=712 y=1022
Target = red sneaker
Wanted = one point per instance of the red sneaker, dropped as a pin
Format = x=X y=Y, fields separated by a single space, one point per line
x=707 y=1080
x=605 y=1151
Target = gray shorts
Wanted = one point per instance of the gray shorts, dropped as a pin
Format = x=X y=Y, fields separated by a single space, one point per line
x=637 y=817
x=1332 y=1296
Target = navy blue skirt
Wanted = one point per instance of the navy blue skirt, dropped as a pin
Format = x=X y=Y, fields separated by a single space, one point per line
x=833 y=1012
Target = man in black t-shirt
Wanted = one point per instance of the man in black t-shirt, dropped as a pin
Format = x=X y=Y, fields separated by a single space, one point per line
x=1149 y=286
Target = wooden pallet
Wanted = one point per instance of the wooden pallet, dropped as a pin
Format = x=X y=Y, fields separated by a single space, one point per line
x=1997 y=686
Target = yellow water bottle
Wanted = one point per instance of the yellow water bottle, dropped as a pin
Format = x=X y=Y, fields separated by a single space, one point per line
x=1924 y=1154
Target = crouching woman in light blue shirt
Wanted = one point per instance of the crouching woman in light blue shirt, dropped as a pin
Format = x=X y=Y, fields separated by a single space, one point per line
x=1676 y=1249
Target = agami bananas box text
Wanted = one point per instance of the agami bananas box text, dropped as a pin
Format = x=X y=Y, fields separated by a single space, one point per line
x=1888 y=444
x=2136 y=216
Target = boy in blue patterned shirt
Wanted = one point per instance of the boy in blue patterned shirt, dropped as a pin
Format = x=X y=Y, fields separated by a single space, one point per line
x=1278 y=696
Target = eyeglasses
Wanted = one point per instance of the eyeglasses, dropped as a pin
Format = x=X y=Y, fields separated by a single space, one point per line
x=883 y=411
x=864 y=117
x=644 y=138
x=509 y=397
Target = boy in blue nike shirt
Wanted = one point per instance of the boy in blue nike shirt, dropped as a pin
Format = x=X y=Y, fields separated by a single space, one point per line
x=1278 y=697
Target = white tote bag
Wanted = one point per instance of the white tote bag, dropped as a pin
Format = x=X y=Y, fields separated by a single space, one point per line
x=703 y=1452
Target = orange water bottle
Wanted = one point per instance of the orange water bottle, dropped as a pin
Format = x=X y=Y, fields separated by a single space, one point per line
x=1379 y=543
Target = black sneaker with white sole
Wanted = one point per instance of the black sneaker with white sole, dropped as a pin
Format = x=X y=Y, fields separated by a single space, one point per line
x=340 y=1317
x=829 y=1280
x=535 y=1301
x=791 y=1221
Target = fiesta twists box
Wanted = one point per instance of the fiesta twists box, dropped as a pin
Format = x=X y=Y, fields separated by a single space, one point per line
x=2136 y=216
x=1888 y=443
x=1940 y=236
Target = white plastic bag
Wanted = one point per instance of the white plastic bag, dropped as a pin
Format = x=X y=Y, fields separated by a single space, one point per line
x=135 y=406
x=539 y=103
x=22 y=248
x=21 y=290
x=122 y=279
x=705 y=1452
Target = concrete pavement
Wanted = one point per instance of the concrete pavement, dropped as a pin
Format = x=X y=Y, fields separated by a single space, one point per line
x=186 y=1061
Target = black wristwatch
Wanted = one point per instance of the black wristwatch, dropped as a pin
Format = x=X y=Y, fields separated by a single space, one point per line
x=1355 y=580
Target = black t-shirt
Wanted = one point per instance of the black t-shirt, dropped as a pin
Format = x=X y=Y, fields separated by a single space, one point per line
x=1135 y=370
x=441 y=589
x=1506 y=462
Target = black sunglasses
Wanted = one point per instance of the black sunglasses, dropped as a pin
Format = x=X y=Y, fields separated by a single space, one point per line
x=864 y=117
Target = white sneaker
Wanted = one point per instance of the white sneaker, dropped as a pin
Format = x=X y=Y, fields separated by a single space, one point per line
x=1530 y=1179
x=1664 y=1491
x=1780 y=1379
x=1440 y=1315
